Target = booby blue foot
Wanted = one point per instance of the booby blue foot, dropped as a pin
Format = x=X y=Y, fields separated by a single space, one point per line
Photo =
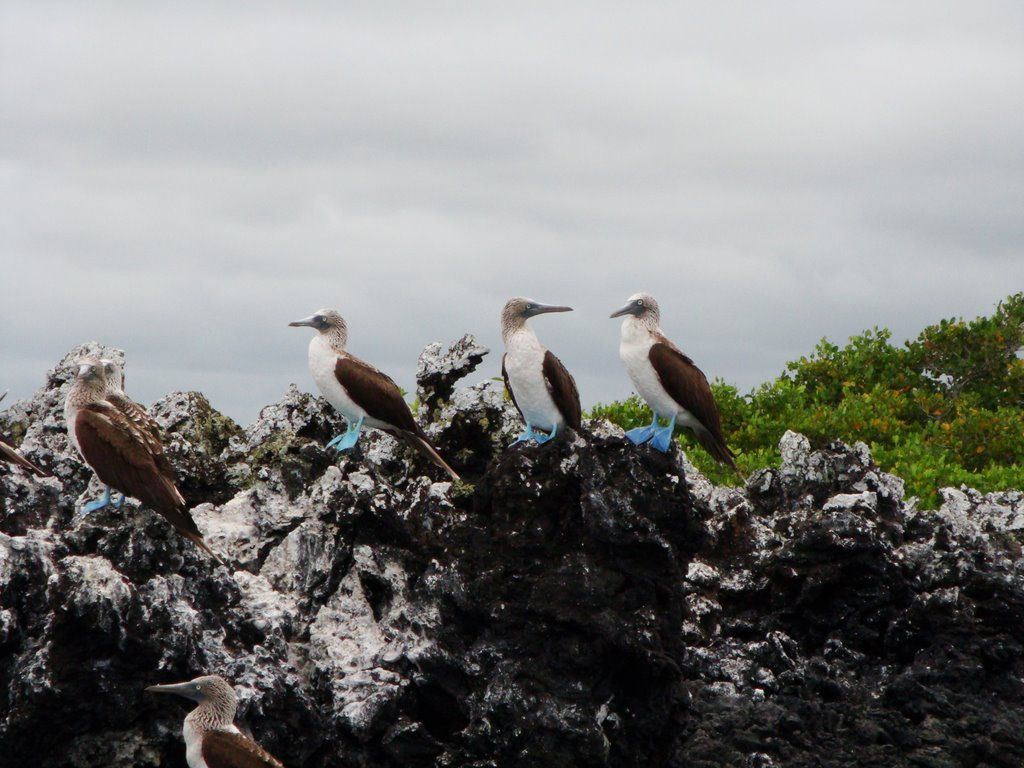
x=528 y=435
x=94 y=506
x=662 y=438
x=119 y=503
x=541 y=438
x=347 y=440
x=640 y=435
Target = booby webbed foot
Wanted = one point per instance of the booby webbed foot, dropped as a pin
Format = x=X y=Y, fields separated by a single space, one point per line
x=528 y=435
x=662 y=438
x=348 y=439
x=94 y=506
x=119 y=503
x=640 y=435
x=541 y=438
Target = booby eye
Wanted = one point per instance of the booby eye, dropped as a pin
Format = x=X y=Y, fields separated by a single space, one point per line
x=531 y=305
x=639 y=302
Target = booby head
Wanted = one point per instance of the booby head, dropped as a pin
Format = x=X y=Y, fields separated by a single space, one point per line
x=327 y=322
x=643 y=307
x=114 y=374
x=91 y=372
x=518 y=310
x=210 y=692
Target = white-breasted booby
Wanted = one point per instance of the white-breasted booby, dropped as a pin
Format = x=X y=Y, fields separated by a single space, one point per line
x=124 y=456
x=542 y=389
x=674 y=388
x=10 y=456
x=212 y=740
x=362 y=394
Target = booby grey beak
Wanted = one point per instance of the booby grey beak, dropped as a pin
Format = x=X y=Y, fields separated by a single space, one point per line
x=310 y=321
x=629 y=309
x=3 y=395
x=188 y=690
x=543 y=309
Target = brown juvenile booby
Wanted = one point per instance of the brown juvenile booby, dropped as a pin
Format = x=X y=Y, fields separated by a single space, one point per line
x=124 y=456
x=11 y=456
x=542 y=389
x=674 y=388
x=361 y=393
x=211 y=738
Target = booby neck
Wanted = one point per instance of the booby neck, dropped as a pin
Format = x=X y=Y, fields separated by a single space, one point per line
x=519 y=333
x=214 y=714
x=334 y=339
x=640 y=329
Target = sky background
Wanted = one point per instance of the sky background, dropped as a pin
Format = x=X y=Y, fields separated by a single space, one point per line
x=182 y=180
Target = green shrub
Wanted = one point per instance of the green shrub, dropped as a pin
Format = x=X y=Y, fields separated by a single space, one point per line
x=943 y=409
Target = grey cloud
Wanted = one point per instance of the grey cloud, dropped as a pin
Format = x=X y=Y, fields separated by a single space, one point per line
x=183 y=180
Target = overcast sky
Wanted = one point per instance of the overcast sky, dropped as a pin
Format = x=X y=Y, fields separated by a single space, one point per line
x=181 y=181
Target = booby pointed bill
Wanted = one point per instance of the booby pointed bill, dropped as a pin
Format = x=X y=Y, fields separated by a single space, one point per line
x=674 y=388
x=362 y=394
x=10 y=456
x=212 y=740
x=124 y=456
x=542 y=389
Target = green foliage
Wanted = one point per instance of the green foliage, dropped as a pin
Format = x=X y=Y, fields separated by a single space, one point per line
x=943 y=409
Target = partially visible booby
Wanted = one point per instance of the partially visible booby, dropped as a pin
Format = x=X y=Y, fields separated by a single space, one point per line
x=541 y=387
x=11 y=456
x=361 y=393
x=123 y=455
x=674 y=388
x=211 y=738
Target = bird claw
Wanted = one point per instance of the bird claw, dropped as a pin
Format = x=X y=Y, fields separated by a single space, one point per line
x=526 y=436
x=662 y=438
x=542 y=438
x=95 y=506
x=348 y=439
x=640 y=435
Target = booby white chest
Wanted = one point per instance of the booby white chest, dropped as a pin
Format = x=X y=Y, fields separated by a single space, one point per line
x=524 y=365
x=322 y=361
x=194 y=743
x=634 y=349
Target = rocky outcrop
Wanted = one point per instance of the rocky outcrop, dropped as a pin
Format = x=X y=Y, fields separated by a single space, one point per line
x=581 y=603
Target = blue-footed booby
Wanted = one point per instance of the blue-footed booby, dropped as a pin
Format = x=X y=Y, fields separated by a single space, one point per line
x=10 y=456
x=542 y=389
x=357 y=390
x=124 y=456
x=674 y=388
x=211 y=738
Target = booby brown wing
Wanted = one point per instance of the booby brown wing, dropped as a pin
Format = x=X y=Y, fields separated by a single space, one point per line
x=375 y=393
x=378 y=395
x=221 y=749
x=11 y=456
x=689 y=387
x=508 y=387
x=121 y=457
x=137 y=414
x=563 y=390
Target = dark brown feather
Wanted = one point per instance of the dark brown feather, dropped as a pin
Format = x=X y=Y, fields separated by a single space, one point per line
x=378 y=395
x=508 y=387
x=121 y=456
x=11 y=456
x=375 y=392
x=689 y=387
x=563 y=390
x=232 y=750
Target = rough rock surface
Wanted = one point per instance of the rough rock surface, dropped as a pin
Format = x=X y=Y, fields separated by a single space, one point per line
x=581 y=603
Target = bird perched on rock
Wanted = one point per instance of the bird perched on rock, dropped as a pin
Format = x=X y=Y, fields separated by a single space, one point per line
x=11 y=456
x=125 y=456
x=542 y=389
x=674 y=388
x=211 y=738
x=361 y=393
